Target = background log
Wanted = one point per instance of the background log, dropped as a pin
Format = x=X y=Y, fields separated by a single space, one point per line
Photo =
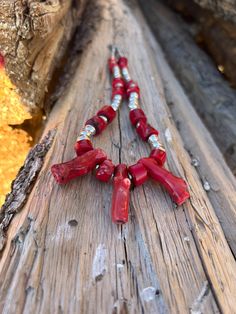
x=215 y=35
x=223 y=8
x=211 y=95
x=63 y=252
x=34 y=36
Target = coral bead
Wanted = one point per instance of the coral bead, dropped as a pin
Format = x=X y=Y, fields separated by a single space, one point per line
x=175 y=186
x=108 y=112
x=118 y=83
x=121 y=171
x=159 y=155
x=98 y=123
x=138 y=173
x=120 y=196
x=137 y=115
x=132 y=87
x=144 y=130
x=105 y=171
x=78 y=166
x=111 y=63
x=82 y=147
x=123 y=62
x=118 y=91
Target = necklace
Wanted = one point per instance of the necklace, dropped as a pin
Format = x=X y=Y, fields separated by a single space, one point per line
x=89 y=158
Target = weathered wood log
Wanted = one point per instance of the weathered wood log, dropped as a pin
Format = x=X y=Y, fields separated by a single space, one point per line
x=223 y=8
x=34 y=36
x=210 y=94
x=217 y=179
x=63 y=252
x=216 y=35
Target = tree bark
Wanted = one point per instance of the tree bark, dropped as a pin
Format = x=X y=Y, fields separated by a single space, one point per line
x=63 y=254
x=34 y=36
x=221 y=8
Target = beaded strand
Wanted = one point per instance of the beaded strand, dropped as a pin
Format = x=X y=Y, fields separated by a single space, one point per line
x=89 y=158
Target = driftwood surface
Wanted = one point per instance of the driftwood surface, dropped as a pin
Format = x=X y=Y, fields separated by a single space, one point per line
x=34 y=36
x=210 y=94
x=64 y=255
x=217 y=179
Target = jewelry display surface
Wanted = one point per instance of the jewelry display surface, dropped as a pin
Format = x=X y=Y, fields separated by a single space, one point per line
x=63 y=253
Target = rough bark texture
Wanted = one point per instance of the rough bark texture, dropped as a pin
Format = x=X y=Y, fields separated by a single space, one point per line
x=211 y=95
x=33 y=39
x=23 y=184
x=65 y=256
x=217 y=36
x=223 y=8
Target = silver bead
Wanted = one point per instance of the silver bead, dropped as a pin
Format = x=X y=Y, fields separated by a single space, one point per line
x=134 y=95
x=116 y=101
x=82 y=137
x=133 y=105
x=86 y=132
x=90 y=129
x=133 y=101
x=116 y=72
x=154 y=143
x=125 y=74
x=83 y=133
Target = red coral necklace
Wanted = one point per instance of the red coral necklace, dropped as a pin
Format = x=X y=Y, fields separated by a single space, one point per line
x=89 y=158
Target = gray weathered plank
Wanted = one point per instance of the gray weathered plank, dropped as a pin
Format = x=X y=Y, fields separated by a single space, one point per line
x=216 y=177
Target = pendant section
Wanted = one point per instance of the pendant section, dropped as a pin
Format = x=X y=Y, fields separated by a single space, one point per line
x=175 y=186
x=105 y=171
x=78 y=166
x=121 y=195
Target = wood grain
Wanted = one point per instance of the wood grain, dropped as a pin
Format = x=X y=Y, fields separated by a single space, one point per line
x=65 y=255
x=216 y=177
x=209 y=92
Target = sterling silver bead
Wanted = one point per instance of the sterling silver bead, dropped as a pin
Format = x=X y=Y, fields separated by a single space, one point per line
x=126 y=75
x=83 y=133
x=154 y=143
x=133 y=101
x=133 y=105
x=116 y=101
x=90 y=130
x=134 y=95
x=82 y=137
x=86 y=132
x=116 y=72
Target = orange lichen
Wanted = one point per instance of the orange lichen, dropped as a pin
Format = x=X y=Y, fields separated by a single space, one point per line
x=14 y=143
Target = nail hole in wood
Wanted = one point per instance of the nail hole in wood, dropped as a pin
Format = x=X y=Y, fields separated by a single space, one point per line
x=73 y=223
